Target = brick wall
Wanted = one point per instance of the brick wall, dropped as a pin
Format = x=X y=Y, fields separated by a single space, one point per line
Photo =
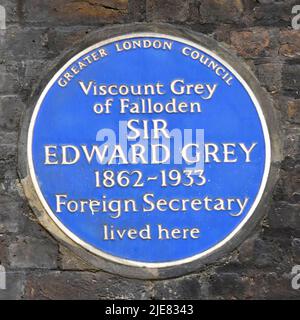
x=259 y=31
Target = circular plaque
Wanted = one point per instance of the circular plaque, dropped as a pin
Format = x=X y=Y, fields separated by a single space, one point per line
x=149 y=150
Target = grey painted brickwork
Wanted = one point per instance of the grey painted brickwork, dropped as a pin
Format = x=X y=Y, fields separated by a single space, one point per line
x=258 y=31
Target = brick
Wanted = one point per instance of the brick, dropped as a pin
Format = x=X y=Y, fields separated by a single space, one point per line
x=293 y=111
x=60 y=39
x=137 y=10
x=229 y=285
x=288 y=187
x=167 y=10
x=273 y=13
x=40 y=47
x=285 y=216
x=291 y=80
x=3 y=248
x=253 y=43
x=246 y=251
x=11 y=218
x=8 y=141
x=190 y=287
x=269 y=74
x=31 y=72
x=223 y=34
x=28 y=252
x=221 y=11
x=11 y=109
x=14 y=285
x=292 y=143
x=9 y=78
x=68 y=12
x=24 y=43
x=83 y=285
x=8 y=172
x=289 y=43
x=290 y=109
x=271 y=285
x=269 y=254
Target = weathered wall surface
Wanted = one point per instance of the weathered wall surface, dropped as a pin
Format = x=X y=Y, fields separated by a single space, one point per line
x=259 y=31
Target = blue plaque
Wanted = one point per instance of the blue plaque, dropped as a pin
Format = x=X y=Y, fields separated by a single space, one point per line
x=148 y=150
